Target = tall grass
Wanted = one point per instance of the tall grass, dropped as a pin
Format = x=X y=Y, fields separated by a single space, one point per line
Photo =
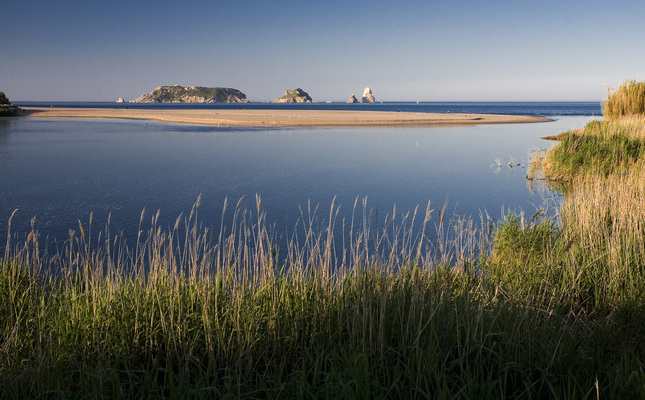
x=628 y=99
x=593 y=259
x=186 y=314
x=599 y=246
x=600 y=149
x=376 y=313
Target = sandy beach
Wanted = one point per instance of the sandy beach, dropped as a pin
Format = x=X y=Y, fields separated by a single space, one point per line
x=282 y=118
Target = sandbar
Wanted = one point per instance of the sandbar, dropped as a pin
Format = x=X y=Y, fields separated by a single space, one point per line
x=283 y=118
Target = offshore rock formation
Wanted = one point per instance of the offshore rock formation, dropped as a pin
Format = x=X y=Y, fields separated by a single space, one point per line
x=192 y=94
x=368 y=97
x=121 y=100
x=294 y=96
x=352 y=99
x=6 y=108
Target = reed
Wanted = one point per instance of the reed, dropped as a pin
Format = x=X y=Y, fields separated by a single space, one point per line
x=598 y=251
x=628 y=99
x=601 y=148
x=372 y=313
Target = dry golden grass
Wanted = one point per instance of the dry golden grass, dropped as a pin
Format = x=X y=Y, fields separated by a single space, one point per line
x=628 y=99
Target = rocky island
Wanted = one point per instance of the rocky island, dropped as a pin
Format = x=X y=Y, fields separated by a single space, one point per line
x=192 y=94
x=368 y=97
x=294 y=96
x=6 y=108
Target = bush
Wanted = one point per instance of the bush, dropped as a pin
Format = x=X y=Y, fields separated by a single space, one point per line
x=4 y=99
x=6 y=108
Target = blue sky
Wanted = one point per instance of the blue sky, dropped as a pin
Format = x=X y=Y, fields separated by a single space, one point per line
x=453 y=50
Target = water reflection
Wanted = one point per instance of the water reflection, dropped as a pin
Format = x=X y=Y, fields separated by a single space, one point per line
x=5 y=126
x=62 y=170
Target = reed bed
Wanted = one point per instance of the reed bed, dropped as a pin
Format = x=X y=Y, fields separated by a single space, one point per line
x=598 y=246
x=348 y=311
x=628 y=99
x=601 y=148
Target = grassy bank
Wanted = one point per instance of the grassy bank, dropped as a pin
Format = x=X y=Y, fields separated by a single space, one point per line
x=185 y=314
x=602 y=148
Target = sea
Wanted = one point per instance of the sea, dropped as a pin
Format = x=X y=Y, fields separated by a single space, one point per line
x=541 y=109
x=58 y=174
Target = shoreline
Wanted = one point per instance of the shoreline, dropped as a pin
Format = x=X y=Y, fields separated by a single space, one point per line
x=284 y=118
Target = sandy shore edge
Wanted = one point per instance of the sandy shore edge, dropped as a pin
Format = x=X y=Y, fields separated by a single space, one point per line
x=283 y=118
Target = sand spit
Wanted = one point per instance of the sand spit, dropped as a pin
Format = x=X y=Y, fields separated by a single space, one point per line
x=282 y=118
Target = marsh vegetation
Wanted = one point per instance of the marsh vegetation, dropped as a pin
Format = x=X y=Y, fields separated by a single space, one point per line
x=628 y=99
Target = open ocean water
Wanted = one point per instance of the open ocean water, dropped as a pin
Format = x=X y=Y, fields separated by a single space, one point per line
x=541 y=109
x=58 y=171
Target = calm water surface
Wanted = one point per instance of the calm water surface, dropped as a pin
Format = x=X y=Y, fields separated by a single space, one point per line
x=547 y=109
x=60 y=171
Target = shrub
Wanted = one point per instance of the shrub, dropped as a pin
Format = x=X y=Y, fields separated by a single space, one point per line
x=4 y=99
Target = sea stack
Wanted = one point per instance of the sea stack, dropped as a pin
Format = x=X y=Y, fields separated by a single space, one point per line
x=352 y=99
x=294 y=96
x=121 y=100
x=368 y=97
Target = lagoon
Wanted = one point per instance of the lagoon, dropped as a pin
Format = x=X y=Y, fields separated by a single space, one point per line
x=59 y=171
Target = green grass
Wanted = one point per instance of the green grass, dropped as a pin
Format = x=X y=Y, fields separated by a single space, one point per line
x=400 y=317
x=600 y=149
x=596 y=262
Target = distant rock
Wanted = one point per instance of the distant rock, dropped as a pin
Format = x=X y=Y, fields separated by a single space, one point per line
x=352 y=99
x=368 y=97
x=294 y=96
x=121 y=100
x=192 y=94
x=6 y=108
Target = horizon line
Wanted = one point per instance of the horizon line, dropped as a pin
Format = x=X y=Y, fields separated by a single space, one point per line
x=322 y=101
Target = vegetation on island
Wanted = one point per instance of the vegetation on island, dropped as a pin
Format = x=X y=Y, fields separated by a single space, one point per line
x=529 y=307
x=6 y=108
x=292 y=93
x=294 y=96
x=192 y=94
x=4 y=100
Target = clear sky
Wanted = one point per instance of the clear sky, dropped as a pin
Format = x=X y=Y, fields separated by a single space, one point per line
x=432 y=50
